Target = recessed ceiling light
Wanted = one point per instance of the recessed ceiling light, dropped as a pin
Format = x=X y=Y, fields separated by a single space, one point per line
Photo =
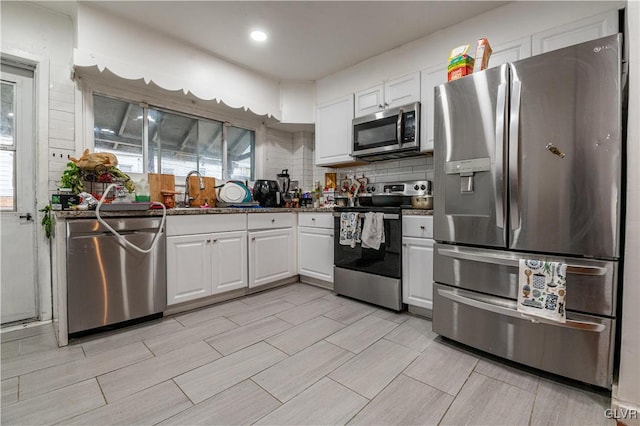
x=258 y=35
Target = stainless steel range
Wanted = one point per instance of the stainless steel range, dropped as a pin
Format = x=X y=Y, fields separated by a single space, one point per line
x=366 y=273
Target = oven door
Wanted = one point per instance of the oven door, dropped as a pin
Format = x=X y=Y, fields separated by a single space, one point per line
x=385 y=262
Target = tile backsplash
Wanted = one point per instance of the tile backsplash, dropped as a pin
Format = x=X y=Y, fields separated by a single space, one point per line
x=397 y=170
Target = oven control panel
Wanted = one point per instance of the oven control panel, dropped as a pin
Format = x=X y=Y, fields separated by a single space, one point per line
x=420 y=187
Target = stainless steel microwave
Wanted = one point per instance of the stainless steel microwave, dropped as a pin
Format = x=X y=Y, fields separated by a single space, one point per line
x=392 y=133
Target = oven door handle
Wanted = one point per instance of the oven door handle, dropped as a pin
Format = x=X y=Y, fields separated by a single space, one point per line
x=389 y=216
x=486 y=305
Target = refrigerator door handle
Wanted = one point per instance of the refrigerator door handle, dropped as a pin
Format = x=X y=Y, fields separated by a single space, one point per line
x=506 y=308
x=499 y=167
x=514 y=129
x=514 y=262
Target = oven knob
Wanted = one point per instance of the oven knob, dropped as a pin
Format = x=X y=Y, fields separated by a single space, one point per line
x=423 y=187
x=416 y=187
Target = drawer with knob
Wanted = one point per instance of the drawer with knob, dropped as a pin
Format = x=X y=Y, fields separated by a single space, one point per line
x=315 y=220
x=269 y=220
x=417 y=226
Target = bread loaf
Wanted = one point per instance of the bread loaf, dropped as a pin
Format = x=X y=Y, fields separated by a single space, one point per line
x=91 y=161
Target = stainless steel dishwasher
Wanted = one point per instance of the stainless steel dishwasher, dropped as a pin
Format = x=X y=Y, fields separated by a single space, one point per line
x=109 y=283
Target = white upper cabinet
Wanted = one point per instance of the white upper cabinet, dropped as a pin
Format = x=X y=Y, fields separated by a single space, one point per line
x=402 y=91
x=392 y=93
x=576 y=32
x=334 y=132
x=510 y=52
x=431 y=77
x=369 y=100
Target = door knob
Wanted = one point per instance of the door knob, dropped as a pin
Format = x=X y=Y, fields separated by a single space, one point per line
x=26 y=216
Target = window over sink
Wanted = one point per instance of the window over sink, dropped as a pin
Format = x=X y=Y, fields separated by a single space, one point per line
x=149 y=139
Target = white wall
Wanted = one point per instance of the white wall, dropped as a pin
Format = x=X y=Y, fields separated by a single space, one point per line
x=46 y=38
x=133 y=52
x=278 y=154
x=627 y=391
x=500 y=25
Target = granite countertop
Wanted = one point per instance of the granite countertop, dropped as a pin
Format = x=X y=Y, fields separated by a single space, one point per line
x=83 y=214
x=417 y=212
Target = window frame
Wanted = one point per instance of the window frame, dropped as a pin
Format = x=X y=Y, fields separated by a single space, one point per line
x=175 y=103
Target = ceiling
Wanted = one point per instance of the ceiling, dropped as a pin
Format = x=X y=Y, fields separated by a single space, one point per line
x=308 y=40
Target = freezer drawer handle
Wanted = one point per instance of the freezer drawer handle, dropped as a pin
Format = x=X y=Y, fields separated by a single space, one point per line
x=579 y=325
x=508 y=261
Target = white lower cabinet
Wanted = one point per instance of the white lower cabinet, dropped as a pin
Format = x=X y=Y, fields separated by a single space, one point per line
x=206 y=255
x=229 y=260
x=205 y=264
x=417 y=261
x=315 y=245
x=271 y=256
x=188 y=268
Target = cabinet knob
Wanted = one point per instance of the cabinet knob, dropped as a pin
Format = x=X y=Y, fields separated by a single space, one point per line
x=273 y=220
x=404 y=244
x=386 y=104
x=215 y=240
x=208 y=241
x=313 y=219
x=421 y=226
x=380 y=106
x=253 y=238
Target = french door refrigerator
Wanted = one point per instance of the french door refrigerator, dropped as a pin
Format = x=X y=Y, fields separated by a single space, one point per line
x=528 y=165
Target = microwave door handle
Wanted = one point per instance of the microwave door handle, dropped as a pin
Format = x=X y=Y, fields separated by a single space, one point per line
x=399 y=127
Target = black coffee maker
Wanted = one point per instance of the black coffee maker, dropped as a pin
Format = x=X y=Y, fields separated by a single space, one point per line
x=267 y=193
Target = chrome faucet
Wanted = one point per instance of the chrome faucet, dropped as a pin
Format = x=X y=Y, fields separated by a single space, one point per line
x=187 y=197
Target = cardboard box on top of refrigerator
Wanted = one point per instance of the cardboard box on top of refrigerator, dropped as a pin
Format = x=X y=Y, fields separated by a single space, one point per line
x=483 y=53
x=460 y=63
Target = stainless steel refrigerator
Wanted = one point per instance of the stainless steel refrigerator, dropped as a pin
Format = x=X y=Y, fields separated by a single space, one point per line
x=528 y=165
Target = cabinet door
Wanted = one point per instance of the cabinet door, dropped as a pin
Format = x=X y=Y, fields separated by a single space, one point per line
x=188 y=268
x=402 y=91
x=271 y=256
x=229 y=261
x=369 y=101
x=510 y=52
x=430 y=78
x=334 y=132
x=576 y=32
x=315 y=253
x=417 y=272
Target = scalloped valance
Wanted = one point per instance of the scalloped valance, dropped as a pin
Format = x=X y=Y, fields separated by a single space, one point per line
x=134 y=52
x=232 y=90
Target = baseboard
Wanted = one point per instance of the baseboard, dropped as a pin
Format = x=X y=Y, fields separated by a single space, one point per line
x=423 y=312
x=316 y=282
x=624 y=413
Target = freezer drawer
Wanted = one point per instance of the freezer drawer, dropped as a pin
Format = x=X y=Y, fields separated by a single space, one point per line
x=591 y=284
x=581 y=349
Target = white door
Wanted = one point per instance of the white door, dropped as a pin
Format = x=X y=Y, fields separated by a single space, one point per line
x=229 y=261
x=188 y=267
x=17 y=197
x=315 y=253
x=417 y=272
x=271 y=256
x=334 y=132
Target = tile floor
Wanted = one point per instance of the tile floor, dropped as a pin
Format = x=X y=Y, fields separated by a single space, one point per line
x=293 y=355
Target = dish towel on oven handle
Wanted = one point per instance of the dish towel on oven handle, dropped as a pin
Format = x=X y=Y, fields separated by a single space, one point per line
x=542 y=289
x=373 y=230
x=349 y=229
